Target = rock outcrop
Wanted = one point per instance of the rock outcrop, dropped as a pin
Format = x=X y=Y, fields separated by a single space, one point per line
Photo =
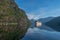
x=13 y=21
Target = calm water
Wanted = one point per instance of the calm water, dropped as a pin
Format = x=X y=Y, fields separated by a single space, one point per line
x=41 y=34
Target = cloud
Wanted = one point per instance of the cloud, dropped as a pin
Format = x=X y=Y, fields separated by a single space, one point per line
x=36 y=14
x=43 y=12
x=32 y=16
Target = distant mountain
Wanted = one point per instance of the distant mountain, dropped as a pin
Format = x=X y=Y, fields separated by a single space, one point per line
x=44 y=20
x=43 y=25
x=54 y=23
x=32 y=21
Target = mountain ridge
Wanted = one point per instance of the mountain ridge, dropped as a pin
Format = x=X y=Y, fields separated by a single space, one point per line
x=54 y=23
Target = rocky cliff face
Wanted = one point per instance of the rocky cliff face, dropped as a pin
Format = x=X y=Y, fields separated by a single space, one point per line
x=13 y=21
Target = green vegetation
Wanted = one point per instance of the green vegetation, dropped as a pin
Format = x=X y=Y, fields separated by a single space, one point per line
x=10 y=13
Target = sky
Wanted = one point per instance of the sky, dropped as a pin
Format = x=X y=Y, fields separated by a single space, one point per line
x=36 y=9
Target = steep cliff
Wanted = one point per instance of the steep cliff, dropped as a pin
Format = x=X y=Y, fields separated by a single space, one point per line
x=13 y=21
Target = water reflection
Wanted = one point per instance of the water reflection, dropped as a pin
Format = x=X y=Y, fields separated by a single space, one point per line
x=41 y=34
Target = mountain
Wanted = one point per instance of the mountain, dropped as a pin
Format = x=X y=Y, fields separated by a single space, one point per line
x=13 y=21
x=54 y=23
x=32 y=21
x=44 y=20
